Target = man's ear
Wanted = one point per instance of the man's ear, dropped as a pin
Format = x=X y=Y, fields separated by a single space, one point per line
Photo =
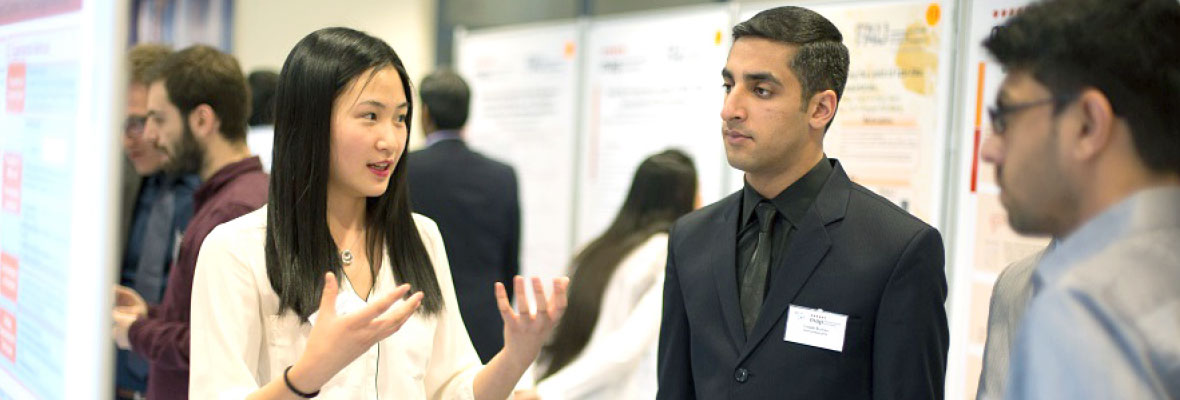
x=821 y=109
x=1096 y=129
x=424 y=111
x=202 y=121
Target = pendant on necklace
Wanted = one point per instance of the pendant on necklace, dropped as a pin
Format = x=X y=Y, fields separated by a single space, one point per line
x=346 y=257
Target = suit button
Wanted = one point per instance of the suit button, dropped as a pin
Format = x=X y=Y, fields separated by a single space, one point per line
x=741 y=375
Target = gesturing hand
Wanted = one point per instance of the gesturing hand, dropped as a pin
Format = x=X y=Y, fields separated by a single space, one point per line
x=526 y=331
x=336 y=340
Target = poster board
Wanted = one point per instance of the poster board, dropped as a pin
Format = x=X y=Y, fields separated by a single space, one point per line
x=652 y=82
x=63 y=83
x=524 y=83
x=983 y=242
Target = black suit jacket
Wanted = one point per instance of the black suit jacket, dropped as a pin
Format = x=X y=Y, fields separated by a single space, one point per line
x=854 y=253
x=474 y=201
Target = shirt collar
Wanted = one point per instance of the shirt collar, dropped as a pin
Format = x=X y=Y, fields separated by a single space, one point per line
x=165 y=180
x=1145 y=210
x=793 y=201
x=438 y=136
x=223 y=177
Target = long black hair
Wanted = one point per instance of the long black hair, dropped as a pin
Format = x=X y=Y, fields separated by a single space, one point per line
x=299 y=246
x=664 y=189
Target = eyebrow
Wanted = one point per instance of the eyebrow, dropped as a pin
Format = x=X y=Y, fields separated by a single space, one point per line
x=762 y=77
x=378 y=104
x=753 y=76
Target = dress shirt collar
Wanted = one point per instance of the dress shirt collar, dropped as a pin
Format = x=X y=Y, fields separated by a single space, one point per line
x=793 y=201
x=438 y=136
x=1145 y=210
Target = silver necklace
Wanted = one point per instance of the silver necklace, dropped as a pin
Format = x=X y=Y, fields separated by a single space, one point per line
x=346 y=257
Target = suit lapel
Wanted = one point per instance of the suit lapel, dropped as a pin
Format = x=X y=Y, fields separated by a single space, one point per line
x=809 y=244
x=724 y=266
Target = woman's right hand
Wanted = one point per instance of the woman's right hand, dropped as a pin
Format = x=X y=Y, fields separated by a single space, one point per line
x=337 y=340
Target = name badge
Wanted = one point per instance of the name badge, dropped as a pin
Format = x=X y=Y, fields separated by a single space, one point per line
x=817 y=328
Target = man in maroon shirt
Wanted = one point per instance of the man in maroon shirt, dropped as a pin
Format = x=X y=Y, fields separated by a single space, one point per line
x=197 y=107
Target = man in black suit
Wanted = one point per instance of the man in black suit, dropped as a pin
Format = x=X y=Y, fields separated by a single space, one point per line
x=803 y=284
x=474 y=201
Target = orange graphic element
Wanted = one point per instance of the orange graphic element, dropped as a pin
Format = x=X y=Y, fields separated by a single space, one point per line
x=10 y=189
x=933 y=14
x=15 y=88
x=1007 y=12
x=978 y=128
x=717 y=38
x=7 y=335
x=571 y=49
x=9 y=276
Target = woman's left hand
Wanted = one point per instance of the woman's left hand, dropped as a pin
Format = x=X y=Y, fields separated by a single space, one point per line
x=525 y=331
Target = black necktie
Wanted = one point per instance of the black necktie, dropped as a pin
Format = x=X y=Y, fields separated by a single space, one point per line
x=753 y=289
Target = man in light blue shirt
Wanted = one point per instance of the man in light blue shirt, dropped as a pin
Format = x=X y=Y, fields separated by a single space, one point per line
x=1087 y=150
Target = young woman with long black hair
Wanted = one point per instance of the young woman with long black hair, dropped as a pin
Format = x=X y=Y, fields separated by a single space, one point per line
x=307 y=295
x=608 y=351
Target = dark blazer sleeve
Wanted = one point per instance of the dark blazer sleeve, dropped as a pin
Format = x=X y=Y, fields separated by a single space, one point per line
x=911 y=338
x=511 y=262
x=674 y=359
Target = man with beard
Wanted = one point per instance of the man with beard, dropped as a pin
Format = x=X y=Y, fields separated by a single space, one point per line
x=197 y=107
x=1086 y=146
x=156 y=209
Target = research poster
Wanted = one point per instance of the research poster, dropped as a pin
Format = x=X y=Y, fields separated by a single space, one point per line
x=58 y=148
x=984 y=243
x=524 y=84
x=652 y=82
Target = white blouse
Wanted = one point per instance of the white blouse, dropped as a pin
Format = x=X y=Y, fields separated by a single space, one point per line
x=619 y=361
x=240 y=342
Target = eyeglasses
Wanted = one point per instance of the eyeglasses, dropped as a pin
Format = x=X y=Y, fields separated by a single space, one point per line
x=133 y=127
x=1000 y=112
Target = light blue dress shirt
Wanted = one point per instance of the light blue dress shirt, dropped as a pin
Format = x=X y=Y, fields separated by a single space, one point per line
x=1104 y=320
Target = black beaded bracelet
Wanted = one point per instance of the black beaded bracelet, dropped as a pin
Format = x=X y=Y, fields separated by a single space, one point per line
x=294 y=390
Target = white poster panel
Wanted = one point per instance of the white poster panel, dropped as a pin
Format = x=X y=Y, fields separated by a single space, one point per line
x=653 y=82
x=524 y=83
x=62 y=100
x=983 y=241
x=890 y=129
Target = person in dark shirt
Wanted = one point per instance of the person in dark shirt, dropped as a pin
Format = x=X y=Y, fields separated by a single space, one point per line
x=196 y=114
x=803 y=284
x=475 y=203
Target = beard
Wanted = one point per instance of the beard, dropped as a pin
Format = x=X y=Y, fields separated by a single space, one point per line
x=186 y=156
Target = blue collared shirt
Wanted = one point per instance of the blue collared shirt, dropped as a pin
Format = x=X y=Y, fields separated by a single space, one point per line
x=1104 y=320
x=130 y=371
x=438 y=136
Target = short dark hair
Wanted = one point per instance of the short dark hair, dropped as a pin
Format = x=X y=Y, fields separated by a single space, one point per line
x=201 y=74
x=142 y=58
x=299 y=246
x=262 y=96
x=1127 y=49
x=448 y=98
x=822 y=60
